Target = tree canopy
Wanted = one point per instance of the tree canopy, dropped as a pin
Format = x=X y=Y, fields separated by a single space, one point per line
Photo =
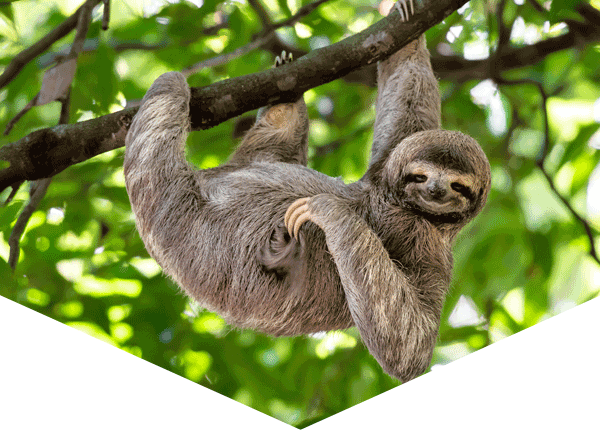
x=520 y=76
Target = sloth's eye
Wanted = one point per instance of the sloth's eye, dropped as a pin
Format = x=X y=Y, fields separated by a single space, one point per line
x=460 y=188
x=416 y=178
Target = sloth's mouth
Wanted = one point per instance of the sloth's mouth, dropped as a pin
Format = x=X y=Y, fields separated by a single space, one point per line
x=434 y=212
x=435 y=206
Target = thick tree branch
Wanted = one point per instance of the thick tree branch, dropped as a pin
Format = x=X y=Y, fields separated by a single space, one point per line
x=218 y=102
x=46 y=152
x=49 y=151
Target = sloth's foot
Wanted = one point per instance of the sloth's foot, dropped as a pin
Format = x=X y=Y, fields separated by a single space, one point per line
x=402 y=6
x=283 y=59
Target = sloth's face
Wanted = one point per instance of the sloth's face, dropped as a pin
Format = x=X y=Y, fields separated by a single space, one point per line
x=433 y=190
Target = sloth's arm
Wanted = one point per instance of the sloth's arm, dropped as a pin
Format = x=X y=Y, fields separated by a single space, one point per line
x=395 y=318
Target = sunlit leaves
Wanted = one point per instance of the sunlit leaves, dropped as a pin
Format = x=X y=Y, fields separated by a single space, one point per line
x=523 y=259
x=92 y=286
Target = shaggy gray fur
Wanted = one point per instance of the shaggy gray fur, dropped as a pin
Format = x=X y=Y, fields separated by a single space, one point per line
x=373 y=255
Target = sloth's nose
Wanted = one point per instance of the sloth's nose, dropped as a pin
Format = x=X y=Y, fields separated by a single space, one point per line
x=435 y=190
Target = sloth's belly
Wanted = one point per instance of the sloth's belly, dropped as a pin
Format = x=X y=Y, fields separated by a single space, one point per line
x=241 y=211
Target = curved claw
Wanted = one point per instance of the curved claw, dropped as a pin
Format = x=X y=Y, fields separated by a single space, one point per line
x=296 y=215
x=304 y=216
x=402 y=6
x=282 y=59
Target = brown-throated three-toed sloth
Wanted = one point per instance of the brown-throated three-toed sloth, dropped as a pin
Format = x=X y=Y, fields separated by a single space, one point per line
x=377 y=252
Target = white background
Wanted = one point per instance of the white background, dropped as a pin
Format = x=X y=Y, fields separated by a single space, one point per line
x=52 y=376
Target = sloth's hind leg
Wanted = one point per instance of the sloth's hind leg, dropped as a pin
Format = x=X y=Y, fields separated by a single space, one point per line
x=280 y=133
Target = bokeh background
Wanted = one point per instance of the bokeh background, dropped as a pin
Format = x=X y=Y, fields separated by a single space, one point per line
x=521 y=76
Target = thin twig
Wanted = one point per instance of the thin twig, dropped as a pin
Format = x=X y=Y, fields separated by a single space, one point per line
x=20 y=115
x=546 y=141
x=262 y=13
x=515 y=123
x=85 y=14
x=586 y=225
x=65 y=108
x=226 y=58
x=266 y=36
x=37 y=193
x=48 y=151
x=39 y=187
x=302 y=12
x=38 y=190
x=25 y=56
x=503 y=30
x=91 y=45
x=106 y=15
x=321 y=151
x=452 y=68
x=542 y=158
x=13 y=192
x=456 y=68
x=538 y=7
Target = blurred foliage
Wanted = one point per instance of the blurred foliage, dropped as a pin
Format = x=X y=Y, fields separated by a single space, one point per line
x=524 y=259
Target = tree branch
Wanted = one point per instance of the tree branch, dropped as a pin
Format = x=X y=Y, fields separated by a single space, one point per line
x=37 y=193
x=452 y=68
x=262 y=13
x=49 y=151
x=25 y=56
x=38 y=188
x=267 y=36
x=226 y=58
x=218 y=102
x=584 y=223
x=458 y=69
x=542 y=158
x=106 y=14
x=46 y=152
x=302 y=12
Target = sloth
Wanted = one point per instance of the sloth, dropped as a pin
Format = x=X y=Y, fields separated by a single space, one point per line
x=275 y=246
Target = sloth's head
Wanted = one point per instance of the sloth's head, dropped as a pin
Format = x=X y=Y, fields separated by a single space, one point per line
x=441 y=175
